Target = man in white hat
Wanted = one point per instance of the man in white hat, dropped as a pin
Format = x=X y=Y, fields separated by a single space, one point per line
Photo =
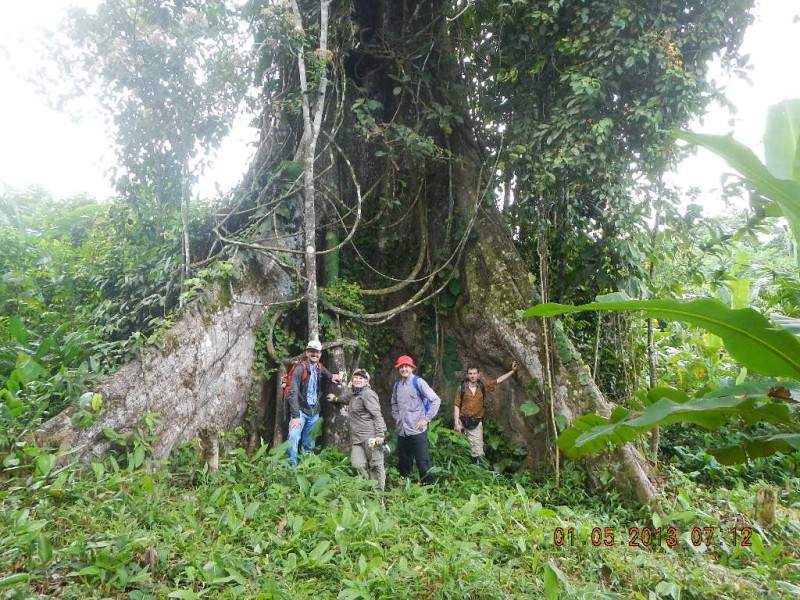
x=308 y=382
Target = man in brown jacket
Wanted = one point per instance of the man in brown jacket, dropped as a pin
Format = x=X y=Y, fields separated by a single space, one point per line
x=469 y=406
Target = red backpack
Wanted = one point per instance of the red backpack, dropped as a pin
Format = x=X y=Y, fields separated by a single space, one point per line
x=287 y=379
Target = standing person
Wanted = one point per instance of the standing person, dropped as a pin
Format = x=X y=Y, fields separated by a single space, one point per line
x=414 y=405
x=469 y=406
x=306 y=386
x=367 y=428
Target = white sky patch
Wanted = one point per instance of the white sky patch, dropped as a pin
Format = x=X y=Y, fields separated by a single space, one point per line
x=66 y=154
x=71 y=153
x=772 y=42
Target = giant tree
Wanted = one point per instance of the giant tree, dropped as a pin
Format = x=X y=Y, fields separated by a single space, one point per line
x=408 y=148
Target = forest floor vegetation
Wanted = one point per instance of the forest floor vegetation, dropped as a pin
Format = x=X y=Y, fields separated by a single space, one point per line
x=257 y=528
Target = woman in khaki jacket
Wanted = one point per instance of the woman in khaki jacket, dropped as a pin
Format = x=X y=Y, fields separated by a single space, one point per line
x=367 y=428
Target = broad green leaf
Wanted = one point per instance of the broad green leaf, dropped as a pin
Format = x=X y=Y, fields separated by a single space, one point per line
x=18 y=331
x=551 y=576
x=781 y=140
x=46 y=345
x=184 y=595
x=44 y=549
x=740 y=293
x=754 y=389
x=749 y=337
x=529 y=408
x=711 y=412
x=759 y=447
x=28 y=369
x=783 y=192
x=138 y=456
x=320 y=553
x=14 y=579
x=677 y=396
x=148 y=485
x=45 y=464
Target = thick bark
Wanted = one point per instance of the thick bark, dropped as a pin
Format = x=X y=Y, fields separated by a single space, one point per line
x=199 y=378
x=491 y=334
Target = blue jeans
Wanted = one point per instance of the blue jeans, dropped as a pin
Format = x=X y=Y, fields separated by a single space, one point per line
x=302 y=435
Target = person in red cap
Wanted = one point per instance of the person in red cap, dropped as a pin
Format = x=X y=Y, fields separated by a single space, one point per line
x=414 y=405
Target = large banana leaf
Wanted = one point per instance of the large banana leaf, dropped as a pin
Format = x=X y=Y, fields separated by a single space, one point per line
x=750 y=338
x=781 y=140
x=592 y=433
x=758 y=447
x=784 y=192
x=779 y=181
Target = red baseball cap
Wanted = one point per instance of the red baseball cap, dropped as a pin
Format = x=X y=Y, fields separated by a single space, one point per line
x=405 y=360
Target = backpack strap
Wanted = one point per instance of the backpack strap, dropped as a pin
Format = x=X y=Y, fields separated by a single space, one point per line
x=426 y=404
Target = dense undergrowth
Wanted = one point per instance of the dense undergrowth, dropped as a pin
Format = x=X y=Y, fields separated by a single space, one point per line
x=260 y=529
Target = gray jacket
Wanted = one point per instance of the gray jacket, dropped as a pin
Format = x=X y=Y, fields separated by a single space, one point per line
x=408 y=407
x=363 y=414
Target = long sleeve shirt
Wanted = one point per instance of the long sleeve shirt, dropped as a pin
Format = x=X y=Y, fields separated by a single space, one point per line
x=408 y=408
x=473 y=404
x=298 y=390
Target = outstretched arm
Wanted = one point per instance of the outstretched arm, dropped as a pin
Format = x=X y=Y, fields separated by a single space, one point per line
x=504 y=376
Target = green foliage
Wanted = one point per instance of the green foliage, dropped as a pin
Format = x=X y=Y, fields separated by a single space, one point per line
x=171 y=76
x=756 y=343
x=750 y=338
x=220 y=272
x=577 y=102
x=257 y=528
x=84 y=285
x=687 y=452
x=343 y=294
x=590 y=434
x=777 y=183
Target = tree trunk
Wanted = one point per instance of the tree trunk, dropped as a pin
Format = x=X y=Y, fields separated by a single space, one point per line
x=199 y=377
x=491 y=334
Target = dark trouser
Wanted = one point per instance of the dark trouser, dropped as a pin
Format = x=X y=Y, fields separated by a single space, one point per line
x=414 y=447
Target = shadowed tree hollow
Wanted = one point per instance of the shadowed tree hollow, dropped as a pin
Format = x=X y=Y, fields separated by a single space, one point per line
x=424 y=169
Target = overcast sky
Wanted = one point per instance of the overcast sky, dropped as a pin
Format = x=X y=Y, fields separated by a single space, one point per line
x=772 y=43
x=71 y=154
x=64 y=153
